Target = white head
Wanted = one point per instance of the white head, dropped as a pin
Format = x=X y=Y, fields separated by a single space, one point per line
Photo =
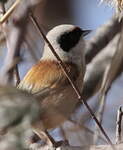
x=68 y=43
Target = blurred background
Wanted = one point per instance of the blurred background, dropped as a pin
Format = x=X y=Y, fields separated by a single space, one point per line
x=88 y=15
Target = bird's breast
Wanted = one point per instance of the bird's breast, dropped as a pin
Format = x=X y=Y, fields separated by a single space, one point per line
x=59 y=102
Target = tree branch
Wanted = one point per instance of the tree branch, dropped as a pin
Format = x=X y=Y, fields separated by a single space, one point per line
x=102 y=37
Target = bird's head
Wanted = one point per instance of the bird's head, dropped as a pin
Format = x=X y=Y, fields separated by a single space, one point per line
x=67 y=40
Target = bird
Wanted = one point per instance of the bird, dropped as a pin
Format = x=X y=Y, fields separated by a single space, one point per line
x=58 y=100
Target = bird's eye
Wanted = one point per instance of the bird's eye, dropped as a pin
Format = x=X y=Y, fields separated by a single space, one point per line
x=69 y=39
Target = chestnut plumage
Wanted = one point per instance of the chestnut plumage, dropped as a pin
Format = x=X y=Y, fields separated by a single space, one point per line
x=60 y=100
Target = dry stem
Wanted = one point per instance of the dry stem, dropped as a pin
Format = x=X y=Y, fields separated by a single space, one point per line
x=118 y=125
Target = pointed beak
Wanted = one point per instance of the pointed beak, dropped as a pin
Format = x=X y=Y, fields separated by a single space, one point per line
x=86 y=32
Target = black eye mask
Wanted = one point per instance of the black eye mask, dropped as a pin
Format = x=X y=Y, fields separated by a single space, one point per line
x=69 y=39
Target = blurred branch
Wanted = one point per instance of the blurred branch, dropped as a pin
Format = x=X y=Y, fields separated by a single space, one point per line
x=81 y=126
x=118 y=125
x=16 y=74
x=90 y=147
x=101 y=106
x=14 y=38
x=96 y=69
x=14 y=6
x=14 y=33
x=110 y=73
x=4 y=18
x=117 y=4
x=9 y=12
x=114 y=65
x=99 y=52
x=18 y=111
x=102 y=37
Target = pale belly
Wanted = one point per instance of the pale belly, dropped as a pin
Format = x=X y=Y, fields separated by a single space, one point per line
x=56 y=108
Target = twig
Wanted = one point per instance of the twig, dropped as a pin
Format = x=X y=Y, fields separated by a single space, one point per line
x=13 y=7
x=71 y=82
x=9 y=12
x=102 y=101
x=80 y=126
x=118 y=125
x=17 y=76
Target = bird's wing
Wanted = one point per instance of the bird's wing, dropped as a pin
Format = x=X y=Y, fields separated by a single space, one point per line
x=45 y=76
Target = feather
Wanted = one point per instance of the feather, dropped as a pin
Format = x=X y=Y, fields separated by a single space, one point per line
x=47 y=75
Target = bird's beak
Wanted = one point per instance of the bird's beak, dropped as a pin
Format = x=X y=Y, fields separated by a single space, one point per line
x=86 y=32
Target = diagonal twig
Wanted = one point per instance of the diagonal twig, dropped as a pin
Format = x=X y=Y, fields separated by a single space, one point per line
x=17 y=75
x=118 y=125
x=70 y=80
x=102 y=101
x=80 y=126
x=9 y=12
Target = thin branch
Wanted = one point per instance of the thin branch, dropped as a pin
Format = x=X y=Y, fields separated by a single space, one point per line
x=17 y=76
x=118 y=125
x=102 y=102
x=5 y=17
x=81 y=126
x=9 y=12
x=69 y=78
